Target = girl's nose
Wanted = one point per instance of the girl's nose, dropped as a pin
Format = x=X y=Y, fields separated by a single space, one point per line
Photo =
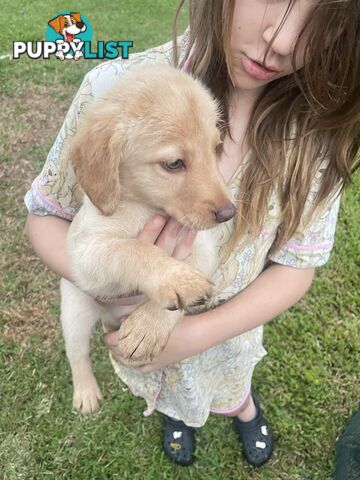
x=285 y=39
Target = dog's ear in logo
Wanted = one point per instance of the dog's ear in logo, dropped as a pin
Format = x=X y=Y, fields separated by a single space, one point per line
x=56 y=23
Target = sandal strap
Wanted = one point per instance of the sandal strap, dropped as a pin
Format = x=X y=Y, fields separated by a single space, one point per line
x=176 y=423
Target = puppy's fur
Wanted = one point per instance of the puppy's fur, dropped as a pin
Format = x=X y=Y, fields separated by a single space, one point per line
x=126 y=156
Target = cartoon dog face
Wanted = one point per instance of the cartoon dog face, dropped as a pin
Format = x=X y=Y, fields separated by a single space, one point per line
x=68 y=25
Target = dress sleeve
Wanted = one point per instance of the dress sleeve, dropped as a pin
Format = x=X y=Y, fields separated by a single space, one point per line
x=55 y=190
x=312 y=243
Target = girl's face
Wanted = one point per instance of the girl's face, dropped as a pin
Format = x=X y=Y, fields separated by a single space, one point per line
x=254 y=24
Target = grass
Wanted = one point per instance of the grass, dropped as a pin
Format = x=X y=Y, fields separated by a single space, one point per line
x=307 y=384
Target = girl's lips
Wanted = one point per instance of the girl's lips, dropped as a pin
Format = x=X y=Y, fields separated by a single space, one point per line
x=257 y=71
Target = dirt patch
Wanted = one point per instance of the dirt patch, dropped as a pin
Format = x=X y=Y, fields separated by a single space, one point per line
x=28 y=290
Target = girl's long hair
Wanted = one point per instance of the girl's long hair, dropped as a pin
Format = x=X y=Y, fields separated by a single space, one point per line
x=298 y=121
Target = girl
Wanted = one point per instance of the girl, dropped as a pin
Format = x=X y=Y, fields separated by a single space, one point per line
x=287 y=74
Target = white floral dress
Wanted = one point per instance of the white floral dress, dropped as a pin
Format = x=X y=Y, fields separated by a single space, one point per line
x=218 y=379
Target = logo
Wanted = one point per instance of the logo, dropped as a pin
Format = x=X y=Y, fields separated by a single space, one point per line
x=68 y=37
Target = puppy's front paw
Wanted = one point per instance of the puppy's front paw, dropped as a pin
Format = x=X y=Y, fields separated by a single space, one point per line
x=87 y=396
x=183 y=288
x=142 y=336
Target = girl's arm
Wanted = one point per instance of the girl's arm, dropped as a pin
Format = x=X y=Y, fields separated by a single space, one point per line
x=275 y=290
x=47 y=236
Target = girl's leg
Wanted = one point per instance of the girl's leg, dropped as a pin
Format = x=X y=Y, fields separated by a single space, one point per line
x=246 y=410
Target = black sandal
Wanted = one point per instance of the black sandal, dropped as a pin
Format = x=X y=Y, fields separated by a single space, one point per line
x=256 y=438
x=179 y=441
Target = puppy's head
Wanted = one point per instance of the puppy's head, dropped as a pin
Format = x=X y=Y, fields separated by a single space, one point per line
x=154 y=139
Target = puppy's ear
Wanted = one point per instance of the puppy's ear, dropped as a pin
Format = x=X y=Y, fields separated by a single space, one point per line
x=95 y=153
x=56 y=23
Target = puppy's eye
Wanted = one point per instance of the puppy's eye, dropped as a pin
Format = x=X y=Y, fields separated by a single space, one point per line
x=177 y=165
x=219 y=147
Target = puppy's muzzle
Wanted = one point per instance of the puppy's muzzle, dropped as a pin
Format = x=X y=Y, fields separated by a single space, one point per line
x=223 y=214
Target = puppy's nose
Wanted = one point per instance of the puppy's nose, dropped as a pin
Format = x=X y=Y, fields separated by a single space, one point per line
x=223 y=214
x=80 y=24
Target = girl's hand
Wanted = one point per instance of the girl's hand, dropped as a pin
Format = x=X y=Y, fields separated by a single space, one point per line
x=167 y=234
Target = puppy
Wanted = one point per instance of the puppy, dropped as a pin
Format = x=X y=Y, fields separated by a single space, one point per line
x=68 y=26
x=146 y=147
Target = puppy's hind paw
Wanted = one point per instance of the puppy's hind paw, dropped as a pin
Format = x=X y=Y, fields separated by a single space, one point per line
x=86 y=399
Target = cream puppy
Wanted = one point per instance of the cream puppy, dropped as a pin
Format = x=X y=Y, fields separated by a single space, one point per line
x=148 y=146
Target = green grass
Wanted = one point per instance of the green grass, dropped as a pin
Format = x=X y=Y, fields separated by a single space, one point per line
x=308 y=384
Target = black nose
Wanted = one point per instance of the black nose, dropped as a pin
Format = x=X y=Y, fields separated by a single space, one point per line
x=79 y=24
x=223 y=214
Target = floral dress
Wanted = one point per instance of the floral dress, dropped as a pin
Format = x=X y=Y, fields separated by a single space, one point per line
x=218 y=379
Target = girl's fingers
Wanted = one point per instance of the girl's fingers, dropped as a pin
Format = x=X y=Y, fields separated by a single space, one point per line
x=183 y=250
x=152 y=229
x=168 y=236
x=111 y=339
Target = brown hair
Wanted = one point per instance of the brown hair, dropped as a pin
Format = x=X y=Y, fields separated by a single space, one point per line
x=325 y=108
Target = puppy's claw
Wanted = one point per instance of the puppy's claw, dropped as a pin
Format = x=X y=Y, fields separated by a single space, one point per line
x=138 y=345
x=124 y=336
x=183 y=287
x=177 y=306
x=199 y=301
x=180 y=303
x=172 y=308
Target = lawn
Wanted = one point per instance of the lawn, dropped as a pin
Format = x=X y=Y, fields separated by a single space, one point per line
x=308 y=384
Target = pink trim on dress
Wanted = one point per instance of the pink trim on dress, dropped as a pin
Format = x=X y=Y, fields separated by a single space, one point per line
x=298 y=246
x=48 y=202
x=185 y=65
x=184 y=68
x=232 y=410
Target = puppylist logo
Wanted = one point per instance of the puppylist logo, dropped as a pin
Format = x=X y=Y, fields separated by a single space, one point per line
x=68 y=36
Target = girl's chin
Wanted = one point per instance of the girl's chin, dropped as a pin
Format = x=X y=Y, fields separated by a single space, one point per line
x=249 y=85
x=244 y=82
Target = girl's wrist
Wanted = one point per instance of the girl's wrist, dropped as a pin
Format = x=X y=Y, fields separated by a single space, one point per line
x=197 y=333
x=206 y=329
